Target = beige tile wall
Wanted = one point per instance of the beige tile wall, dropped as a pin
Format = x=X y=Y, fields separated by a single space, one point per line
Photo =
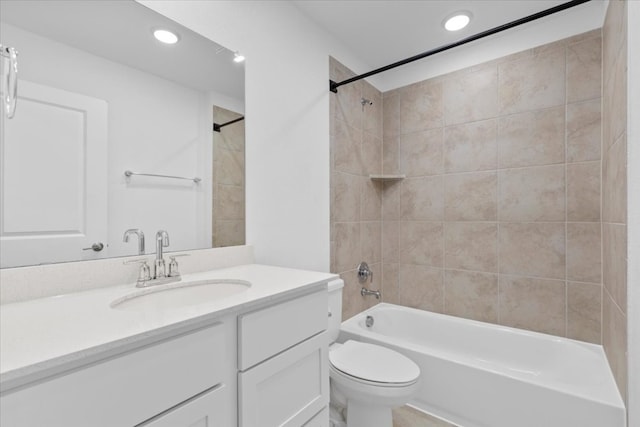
x=499 y=217
x=356 y=213
x=228 y=181
x=614 y=190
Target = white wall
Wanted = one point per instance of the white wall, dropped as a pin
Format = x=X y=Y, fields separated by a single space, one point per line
x=287 y=125
x=154 y=126
x=633 y=210
x=580 y=19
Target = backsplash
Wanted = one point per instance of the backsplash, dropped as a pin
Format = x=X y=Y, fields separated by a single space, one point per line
x=25 y=283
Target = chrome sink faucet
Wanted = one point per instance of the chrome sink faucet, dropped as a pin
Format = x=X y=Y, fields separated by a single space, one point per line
x=140 y=235
x=160 y=274
x=162 y=241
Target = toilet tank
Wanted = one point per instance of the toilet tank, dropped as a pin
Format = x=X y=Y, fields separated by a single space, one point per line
x=335 y=309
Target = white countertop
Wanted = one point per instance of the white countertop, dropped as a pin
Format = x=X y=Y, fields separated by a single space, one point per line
x=46 y=336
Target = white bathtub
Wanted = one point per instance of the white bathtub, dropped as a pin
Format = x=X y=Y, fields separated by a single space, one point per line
x=477 y=374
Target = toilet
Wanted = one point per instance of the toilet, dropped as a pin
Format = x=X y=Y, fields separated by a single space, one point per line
x=367 y=380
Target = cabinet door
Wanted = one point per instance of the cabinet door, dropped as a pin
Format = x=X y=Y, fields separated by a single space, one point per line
x=208 y=409
x=286 y=390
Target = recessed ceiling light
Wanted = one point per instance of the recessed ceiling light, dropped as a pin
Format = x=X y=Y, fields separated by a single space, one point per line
x=166 y=36
x=457 y=21
x=238 y=57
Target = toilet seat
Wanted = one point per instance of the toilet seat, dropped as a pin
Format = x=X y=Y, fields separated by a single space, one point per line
x=373 y=364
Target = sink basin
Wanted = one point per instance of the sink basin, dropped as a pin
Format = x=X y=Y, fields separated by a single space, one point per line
x=181 y=294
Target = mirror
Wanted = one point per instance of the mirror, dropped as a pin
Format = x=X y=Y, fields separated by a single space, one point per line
x=98 y=95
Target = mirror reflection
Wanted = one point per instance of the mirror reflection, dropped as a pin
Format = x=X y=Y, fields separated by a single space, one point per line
x=99 y=95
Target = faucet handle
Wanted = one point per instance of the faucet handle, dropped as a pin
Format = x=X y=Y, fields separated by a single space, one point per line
x=144 y=274
x=173 y=267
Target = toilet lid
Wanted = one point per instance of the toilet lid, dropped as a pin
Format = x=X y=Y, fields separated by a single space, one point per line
x=373 y=363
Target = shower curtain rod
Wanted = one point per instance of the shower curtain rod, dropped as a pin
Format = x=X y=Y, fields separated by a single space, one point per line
x=333 y=86
x=217 y=127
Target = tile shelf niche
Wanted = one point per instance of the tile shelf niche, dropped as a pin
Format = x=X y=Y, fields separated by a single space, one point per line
x=386 y=177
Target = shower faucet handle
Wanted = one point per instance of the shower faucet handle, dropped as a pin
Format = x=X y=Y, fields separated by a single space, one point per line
x=364 y=272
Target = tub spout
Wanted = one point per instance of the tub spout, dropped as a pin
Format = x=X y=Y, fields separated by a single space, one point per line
x=365 y=292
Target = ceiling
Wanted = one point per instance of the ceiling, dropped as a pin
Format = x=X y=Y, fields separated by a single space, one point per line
x=121 y=31
x=381 y=32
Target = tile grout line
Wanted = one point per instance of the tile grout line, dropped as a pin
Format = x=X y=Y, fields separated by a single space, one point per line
x=498 y=187
x=443 y=250
x=566 y=192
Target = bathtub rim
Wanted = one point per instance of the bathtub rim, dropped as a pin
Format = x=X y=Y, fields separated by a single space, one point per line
x=351 y=327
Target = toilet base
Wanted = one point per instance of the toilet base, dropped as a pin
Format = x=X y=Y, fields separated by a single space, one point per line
x=367 y=415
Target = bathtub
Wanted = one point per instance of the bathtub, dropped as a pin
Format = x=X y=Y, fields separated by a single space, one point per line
x=476 y=374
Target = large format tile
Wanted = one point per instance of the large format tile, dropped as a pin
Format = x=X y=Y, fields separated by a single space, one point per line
x=391 y=115
x=614 y=341
x=230 y=167
x=348 y=107
x=532 y=249
x=584 y=129
x=533 y=304
x=614 y=244
x=471 y=147
x=347 y=245
x=346 y=196
x=371 y=152
x=421 y=243
x=471 y=96
x=421 y=153
x=421 y=107
x=229 y=202
x=471 y=196
x=532 y=194
x=614 y=183
x=229 y=233
x=390 y=241
x=471 y=294
x=391 y=201
x=370 y=200
x=532 y=83
x=422 y=199
x=532 y=138
x=347 y=155
x=371 y=241
x=584 y=252
x=584 y=307
x=390 y=278
x=421 y=287
x=584 y=70
x=391 y=155
x=583 y=191
x=372 y=120
x=614 y=113
x=471 y=246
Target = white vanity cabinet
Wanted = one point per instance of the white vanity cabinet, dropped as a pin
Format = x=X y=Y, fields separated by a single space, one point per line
x=283 y=377
x=259 y=364
x=133 y=388
x=205 y=410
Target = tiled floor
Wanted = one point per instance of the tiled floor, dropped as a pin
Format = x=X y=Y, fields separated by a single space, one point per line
x=408 y=417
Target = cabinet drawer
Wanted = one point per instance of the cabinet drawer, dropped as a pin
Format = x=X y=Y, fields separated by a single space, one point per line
x=287 y=390
x=125 y=390
x=266 y=332
x=208 y=409
x=321 y=419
